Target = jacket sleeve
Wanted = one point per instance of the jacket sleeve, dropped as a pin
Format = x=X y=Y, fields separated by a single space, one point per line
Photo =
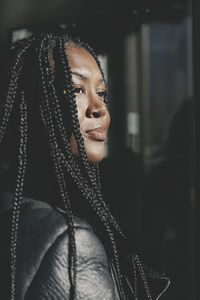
x=94 y=280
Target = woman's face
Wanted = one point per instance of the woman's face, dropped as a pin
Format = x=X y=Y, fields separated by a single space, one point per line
x=93 y=115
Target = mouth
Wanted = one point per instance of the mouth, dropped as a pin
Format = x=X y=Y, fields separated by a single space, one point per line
x=97 y=134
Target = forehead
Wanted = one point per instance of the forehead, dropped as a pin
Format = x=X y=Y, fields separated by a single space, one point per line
x=81 y=59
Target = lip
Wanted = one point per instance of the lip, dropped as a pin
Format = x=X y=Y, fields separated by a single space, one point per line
x=98 y=133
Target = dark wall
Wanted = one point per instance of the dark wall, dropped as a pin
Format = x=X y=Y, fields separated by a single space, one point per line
x=107 y=16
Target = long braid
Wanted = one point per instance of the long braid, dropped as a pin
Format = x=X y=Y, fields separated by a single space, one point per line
x=59 y=116
x=76 y=129
x=18 y=192
x=60 y=176
x=91 y=175
x=72 y=103
x=74 y=113
x=54 y=100
x=12 y=88
x=59 y=122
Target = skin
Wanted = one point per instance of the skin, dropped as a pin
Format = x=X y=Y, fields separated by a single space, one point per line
x=92 y=111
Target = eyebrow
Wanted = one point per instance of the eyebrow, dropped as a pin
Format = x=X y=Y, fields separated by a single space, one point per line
x=84 y=77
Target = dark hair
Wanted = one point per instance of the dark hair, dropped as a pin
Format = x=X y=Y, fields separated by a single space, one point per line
x=38 y=74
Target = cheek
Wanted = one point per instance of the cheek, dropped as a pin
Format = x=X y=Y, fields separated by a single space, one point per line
x=81 y=108
x=74 y=146
x=108 y=118
x=81 y=116
x=94 y=150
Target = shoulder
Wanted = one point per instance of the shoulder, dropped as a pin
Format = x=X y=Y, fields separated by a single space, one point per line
x=42 y=270
x=45 y=226
x=41 y=224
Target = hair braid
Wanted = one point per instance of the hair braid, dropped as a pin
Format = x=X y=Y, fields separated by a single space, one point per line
x=59 y=123
x=72 y=103
x=58 y=120
x=97 y=205
x=58 y=113
x=59 y=173
x=90 y=172
x=15 y=72
x=75 y=122
x=18 y=192
x=71 y=98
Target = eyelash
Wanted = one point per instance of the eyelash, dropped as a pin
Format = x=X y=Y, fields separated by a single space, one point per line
x=100 y=94
x=79 y=89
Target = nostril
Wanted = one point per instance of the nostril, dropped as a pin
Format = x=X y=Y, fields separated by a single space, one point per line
x=93 y=112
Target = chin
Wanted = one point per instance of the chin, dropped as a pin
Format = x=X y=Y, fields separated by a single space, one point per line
x=94 y=156
x=95 y=159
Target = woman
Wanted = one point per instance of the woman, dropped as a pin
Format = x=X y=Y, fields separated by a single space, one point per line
x=54 y=122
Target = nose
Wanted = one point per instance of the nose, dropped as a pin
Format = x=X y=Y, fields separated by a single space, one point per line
x=96 y=108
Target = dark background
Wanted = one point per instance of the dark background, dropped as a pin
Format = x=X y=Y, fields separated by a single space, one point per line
x=150 y=174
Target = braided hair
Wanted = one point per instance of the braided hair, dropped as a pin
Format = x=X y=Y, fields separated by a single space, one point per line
x=46 y=55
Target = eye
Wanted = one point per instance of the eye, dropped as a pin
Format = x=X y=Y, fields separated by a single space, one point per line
x=102 y=94
x=78 y=90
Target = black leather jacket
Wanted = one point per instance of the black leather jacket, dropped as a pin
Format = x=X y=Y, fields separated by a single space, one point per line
x=42 y=258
